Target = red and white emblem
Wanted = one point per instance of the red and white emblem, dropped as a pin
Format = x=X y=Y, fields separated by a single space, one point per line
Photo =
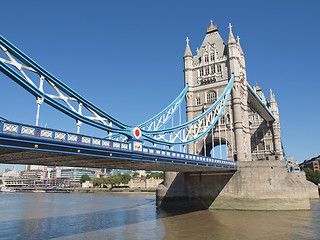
x=136 y=132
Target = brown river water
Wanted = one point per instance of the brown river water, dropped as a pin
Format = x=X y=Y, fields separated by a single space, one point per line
x=135 y=216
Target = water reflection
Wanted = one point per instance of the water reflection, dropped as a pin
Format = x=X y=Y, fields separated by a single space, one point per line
x=246 y=225
x=77 y=215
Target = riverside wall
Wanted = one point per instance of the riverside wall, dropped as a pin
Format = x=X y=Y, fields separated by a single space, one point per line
x=256 y=185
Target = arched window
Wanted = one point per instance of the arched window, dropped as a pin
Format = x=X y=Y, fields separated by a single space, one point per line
x=211 y=97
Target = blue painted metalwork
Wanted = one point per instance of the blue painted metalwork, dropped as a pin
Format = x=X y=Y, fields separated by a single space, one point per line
x=63 y=87
x=223 y=97
x=21 y=136
x=173 y=107
x=176 y=102
x=120 y=128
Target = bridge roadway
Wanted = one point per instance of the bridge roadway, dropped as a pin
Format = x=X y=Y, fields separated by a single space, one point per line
x=26 y=144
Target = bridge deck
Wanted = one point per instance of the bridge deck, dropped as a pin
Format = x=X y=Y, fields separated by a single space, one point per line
x=24 y=144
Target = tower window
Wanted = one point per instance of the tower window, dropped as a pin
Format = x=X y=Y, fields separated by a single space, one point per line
x=198 y=101
x=206 y=58
x=260 y=146
x=211 y=97
x=222 y=120
x=200 y=72
x=207 y=71
x=213 y=69
x=219 y=68
x=199 y=59
x=212 y=56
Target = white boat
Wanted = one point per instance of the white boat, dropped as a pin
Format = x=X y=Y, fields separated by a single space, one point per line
x=7 y=190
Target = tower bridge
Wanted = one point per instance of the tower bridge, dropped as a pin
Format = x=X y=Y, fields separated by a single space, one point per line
x=222 y=108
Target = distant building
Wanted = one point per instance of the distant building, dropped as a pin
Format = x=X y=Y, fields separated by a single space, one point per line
x=87 y=184
x=10 y=173
x=312 y=163
x=120 y=171
x=16 y=182
x=35 y=176
x=72 y=176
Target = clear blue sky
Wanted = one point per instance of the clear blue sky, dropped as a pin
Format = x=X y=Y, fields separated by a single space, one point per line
x=126 y=56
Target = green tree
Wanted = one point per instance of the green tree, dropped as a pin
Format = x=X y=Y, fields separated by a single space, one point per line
x=84 y=177
x=124 y=178
x=1 y=182
x=99 y=181
x=312 y=176
x=135 y=174
x=155 y=175
x=114 y=180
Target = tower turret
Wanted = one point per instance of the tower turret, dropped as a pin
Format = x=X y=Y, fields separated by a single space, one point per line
x=239 y=100
x=242 y=56
x=276 y=127
x=188 y=62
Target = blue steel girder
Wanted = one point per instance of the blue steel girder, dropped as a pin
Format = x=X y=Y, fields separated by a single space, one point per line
x=95 y=152
x=159 y=121
x=195 y=129
x=151 y=130
x=65 y=93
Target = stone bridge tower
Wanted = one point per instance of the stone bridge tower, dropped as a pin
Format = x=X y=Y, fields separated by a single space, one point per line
x=246 y=134
x=250 y=127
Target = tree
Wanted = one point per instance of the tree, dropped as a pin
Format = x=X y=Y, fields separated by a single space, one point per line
x=124 y=178
x=135 y=174
x=155 y=175
x=312 y=176
x=1 y=182
x=99 y=181
x=114 y=180
x=84 y=177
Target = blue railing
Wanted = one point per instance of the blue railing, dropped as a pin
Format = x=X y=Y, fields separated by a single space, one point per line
x=133 y=146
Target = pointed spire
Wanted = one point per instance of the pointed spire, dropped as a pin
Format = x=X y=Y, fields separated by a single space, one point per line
x=272 y=97
x=273 y=105
x=238 y=42
x=188 y=50
x=231 y=39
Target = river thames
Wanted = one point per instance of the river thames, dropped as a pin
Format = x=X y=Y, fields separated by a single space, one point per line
x=135 y=216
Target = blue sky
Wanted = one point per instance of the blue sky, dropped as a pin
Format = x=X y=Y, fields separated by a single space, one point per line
x=126 y=56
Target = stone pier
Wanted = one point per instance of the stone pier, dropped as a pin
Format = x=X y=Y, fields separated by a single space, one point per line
x=256 y=185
